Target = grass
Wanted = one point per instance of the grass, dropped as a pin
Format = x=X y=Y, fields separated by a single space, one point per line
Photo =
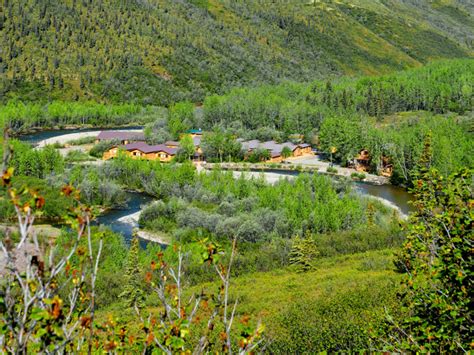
x=346 y=293
x=330 y=308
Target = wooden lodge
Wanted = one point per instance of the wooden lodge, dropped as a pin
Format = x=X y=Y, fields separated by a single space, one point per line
x=194 y=133
x=276 y=149
x=141 y=150
x=363 y=159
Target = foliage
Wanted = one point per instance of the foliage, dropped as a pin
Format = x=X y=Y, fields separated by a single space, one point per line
x=438 y=87
x=172 y=328
x=180 y=118
x=219 y=145
x=358 y=176
x=328 y=309
x=186 y=146
x=286 y=152
x=437 y=257
x=77 y=155
x=161 y=52
x=82 y=141
x=101 y=147
x=95 y=188
x=22 y=116
x=251 y=209
x=33 y=314
x=303 y=252
x=259 y=155
x=35 y=162
x=48 y=301
x=133 y=294
x=331 y=170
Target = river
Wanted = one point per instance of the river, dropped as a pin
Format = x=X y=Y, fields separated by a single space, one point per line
x=395 y=196
x=124 y=220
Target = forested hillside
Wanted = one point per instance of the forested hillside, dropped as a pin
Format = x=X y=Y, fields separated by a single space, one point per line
x=162 y=51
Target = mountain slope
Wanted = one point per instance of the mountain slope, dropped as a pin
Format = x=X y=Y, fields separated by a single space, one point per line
x=159 y=51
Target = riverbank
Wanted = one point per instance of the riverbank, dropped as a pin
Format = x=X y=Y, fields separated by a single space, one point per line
x=85 y=127
x=391 y=196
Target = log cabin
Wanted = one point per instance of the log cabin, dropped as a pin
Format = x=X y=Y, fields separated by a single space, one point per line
x=276 y=149
x=141 y=150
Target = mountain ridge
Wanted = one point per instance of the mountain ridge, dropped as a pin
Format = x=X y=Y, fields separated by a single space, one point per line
x=162 y=51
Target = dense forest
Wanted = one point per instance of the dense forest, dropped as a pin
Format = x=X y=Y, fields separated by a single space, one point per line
x=160 y=52
x=441 y=87
x=389 y=115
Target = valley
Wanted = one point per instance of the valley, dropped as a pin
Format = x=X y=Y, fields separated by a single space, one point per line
x=215 y=176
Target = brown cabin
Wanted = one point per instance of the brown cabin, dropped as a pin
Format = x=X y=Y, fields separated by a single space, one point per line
x=141 y=150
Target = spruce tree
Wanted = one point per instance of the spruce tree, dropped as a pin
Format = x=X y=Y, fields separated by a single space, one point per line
x=303 y=252
x=133 y=294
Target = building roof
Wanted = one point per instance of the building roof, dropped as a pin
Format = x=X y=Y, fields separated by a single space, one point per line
x=196 y=141
x=304 y=145
x=145 y=148
x=252 y=144
x=272 y=146
x=120 y=135
x=172 y=143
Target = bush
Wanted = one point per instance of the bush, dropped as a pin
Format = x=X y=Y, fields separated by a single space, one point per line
x=101 y=147
x=358 y=240
x=337 y=321
x=331 y=170
x=77 y=156
x=82 y=141
x=358 y=176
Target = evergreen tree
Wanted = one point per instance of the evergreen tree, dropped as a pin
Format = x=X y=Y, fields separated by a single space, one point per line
x=303 y=252
x=426 y=157
x=133 y=294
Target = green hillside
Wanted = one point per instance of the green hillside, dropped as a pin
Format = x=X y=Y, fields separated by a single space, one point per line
x=161 y=51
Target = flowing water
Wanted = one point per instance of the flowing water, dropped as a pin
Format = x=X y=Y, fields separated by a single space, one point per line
x=394 y=196
x=124 y=220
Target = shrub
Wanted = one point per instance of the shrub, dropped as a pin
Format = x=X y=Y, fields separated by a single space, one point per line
x=331 y=170
x=82 y=141
x=358 y=176
x=77 y=156
x=337 y=321
x=101 y=147
x=358 y=240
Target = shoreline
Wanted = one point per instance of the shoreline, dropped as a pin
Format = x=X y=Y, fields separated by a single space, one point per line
x=35 y=130
x=153 y=237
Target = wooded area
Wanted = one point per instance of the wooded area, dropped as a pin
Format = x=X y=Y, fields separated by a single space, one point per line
x=160 y=52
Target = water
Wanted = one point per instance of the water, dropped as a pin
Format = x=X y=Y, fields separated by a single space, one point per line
x=396 y=196
x=117 y=219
